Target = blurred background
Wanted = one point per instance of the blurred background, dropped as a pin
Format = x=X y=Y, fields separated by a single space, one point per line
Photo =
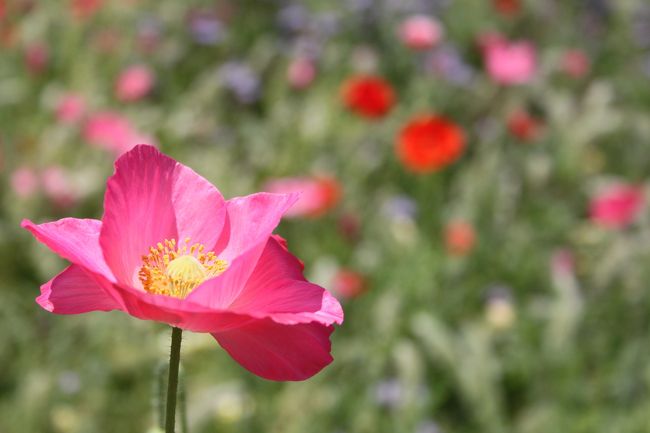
x=475 y=178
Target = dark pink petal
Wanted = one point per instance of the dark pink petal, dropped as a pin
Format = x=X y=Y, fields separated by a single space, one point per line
x=75 y=291
x=278 y=352
x=151 y=198
x=250 y=221
x=76 y=240
x=277 y=289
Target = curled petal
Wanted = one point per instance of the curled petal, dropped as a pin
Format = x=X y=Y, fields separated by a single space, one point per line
x=76 y=240
x=75 y=291
x=276 y=351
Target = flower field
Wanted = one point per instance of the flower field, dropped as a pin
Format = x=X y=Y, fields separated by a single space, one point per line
x=467 y=178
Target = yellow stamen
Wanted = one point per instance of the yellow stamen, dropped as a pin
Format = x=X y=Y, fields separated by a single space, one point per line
x=173 y=270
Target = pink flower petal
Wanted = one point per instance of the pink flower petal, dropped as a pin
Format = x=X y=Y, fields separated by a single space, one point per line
x=278 y=289
x=250 y=222
x=75 y=291
x=76 y=240
x=278 y=352
x=151 y=198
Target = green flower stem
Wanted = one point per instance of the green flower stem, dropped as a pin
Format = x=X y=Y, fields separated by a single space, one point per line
x=172 y=382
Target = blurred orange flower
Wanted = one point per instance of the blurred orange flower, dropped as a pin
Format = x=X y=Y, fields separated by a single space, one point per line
x=429 y=142
x=348 y=284
x=460 y=237
x=368 y=96
x=318 y=194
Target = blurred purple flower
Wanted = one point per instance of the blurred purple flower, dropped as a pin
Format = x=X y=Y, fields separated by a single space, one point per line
x=389 y=393
x=241 y=80
x=641 y=26
x=400 y=207
x=447 y=63
x=428 y=426
x=206 y=28
x=293 y=18
x=149 y=31
x=69 y=382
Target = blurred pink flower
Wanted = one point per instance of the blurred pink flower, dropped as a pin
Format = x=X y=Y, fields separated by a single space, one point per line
x=24 y=182
x=57 y=187
x=420 y=32
x=562 y=262
x=301 y=72
x=134 y=83
x=36 y=58
x=113 y=132
x=575 y=63
x=235 y=280
x=617 y=206
x=509 y=63
x=70 y=108
x=318 y=194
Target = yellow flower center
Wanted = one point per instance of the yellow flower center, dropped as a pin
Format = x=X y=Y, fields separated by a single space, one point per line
x=173 y=270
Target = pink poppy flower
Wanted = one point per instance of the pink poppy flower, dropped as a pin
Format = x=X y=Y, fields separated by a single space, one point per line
x=37 y=57
x=70 y=108
x=420 y=32
x=170 y=249
x=57 y=187
x=301 y=72
x=24 y=182
x=319 y=194
x=509 y=63
x=134 y=83
x=617 y=206
x=111 y=131
x=575 y=63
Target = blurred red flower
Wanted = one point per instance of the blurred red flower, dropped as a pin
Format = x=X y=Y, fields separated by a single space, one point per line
x=523 y=126
x=460 y=237
x=616 y=206
x=429 y=142
x=368 y=96
x=507 y=8
x=318 y=195
x=348 y=284
x=84 y=9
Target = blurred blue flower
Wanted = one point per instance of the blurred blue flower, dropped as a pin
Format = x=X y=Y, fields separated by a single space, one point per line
x=400 y=207
x=641 y=26
x=293 y=18
x=428 y=426
x=206 y=28
x=69 y=382
x=447 y=63
x=389 y=393
x=241 y=80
